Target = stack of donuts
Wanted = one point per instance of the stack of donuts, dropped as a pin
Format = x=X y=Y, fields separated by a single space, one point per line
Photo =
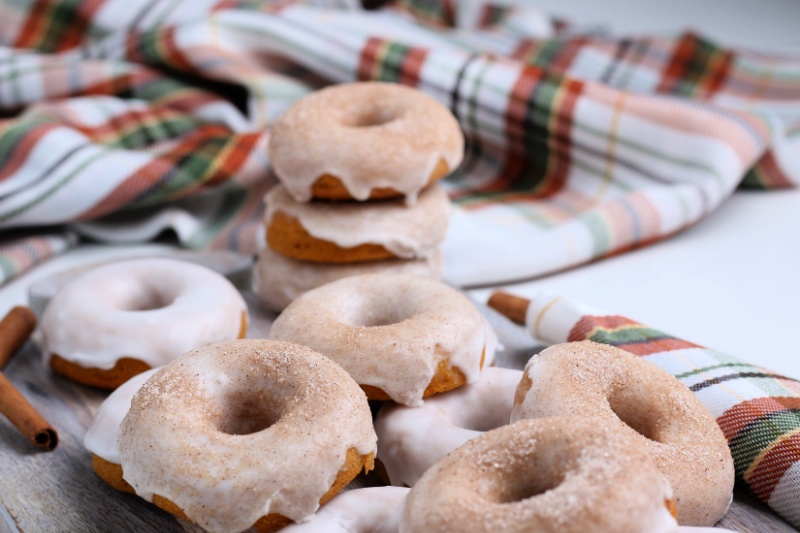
x=357 y=165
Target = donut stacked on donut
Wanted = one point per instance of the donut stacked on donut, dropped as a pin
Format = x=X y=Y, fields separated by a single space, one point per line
x=358 y=165
x=120 y=319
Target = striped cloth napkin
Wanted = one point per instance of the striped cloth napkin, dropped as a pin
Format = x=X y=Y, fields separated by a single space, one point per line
x=120 y=119
x=758 y=410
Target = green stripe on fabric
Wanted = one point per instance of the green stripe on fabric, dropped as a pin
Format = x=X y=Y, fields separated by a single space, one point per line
x=628 y=335
x=55 y=187
x=757 y=436
x=713 y=367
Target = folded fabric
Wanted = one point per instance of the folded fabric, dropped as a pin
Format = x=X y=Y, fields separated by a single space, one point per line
x=758 y=410
x=578 y=145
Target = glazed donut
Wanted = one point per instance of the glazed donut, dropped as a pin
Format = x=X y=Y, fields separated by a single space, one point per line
x=370 y=510
x=279 y=281
x=264 y=432
x=596 y=380
x=400 y=337
x=362 y=141
x=560 y=474
x=120 y=319
x=101 y=437
x=412 y=439
x=351 y=232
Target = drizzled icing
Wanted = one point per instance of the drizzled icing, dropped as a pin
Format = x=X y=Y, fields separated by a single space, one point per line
x=559 y=474
x=389 y=330
x=101 y=437
x=412 y=439
x=369 y=135
x=152 y=310
x=234 y=431
x=279 y=280
x=370 y=510
x=612 y=385
x=407 y=232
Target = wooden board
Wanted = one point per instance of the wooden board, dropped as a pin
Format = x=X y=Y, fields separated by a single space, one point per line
x=58 y=491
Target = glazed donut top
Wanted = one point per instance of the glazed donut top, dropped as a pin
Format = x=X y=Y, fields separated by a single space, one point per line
x=252 y=427
x=370 y=510
x=101 y=437
x=369 y=135
x=559 y=474
x=152 y=310
x=390 y=331
x=600 y=381
x=407 y=232
x=412 y=439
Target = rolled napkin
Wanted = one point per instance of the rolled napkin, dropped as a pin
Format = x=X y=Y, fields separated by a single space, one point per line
x=758 y=410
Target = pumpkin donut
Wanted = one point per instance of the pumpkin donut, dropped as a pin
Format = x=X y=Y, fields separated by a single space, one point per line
x=364 y=141
x=122 y=318
x=353 y=232
x=401 y=337
x=241 y=414
x=559 y=474
x=596 y=380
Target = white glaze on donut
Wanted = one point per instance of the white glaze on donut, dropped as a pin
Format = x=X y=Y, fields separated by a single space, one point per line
x=369 y=135
x=224 y=432
x=412 y=439
x=101 y=437
x=407 y=232
x=370 y=510
x=152 y=310
x=390 y=330
x=280 y=280
x=600 y=381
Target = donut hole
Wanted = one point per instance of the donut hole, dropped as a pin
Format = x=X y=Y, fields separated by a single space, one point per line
x=634 y=416
x=370 y=117
x=148 y=299
x=372 y=310
x=245 y=413
x=528 y=487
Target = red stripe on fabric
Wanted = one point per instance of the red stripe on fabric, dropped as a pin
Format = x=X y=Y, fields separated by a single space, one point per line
x=652 y=346
x=766 y=476
x=719 y=73
x=367 y=59
x=773 y=176
x=412 y=64
x=175 y=56
x=588 y=323
x=34 y=25
x=738 y=417
x=22 y=150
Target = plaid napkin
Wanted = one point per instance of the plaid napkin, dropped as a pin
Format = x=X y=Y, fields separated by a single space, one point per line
x=120 y=119
x=758 y=410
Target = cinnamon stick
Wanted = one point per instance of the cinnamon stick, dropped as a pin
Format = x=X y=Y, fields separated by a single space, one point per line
x=15 y=328
x=25 y=418
x=513 y=307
